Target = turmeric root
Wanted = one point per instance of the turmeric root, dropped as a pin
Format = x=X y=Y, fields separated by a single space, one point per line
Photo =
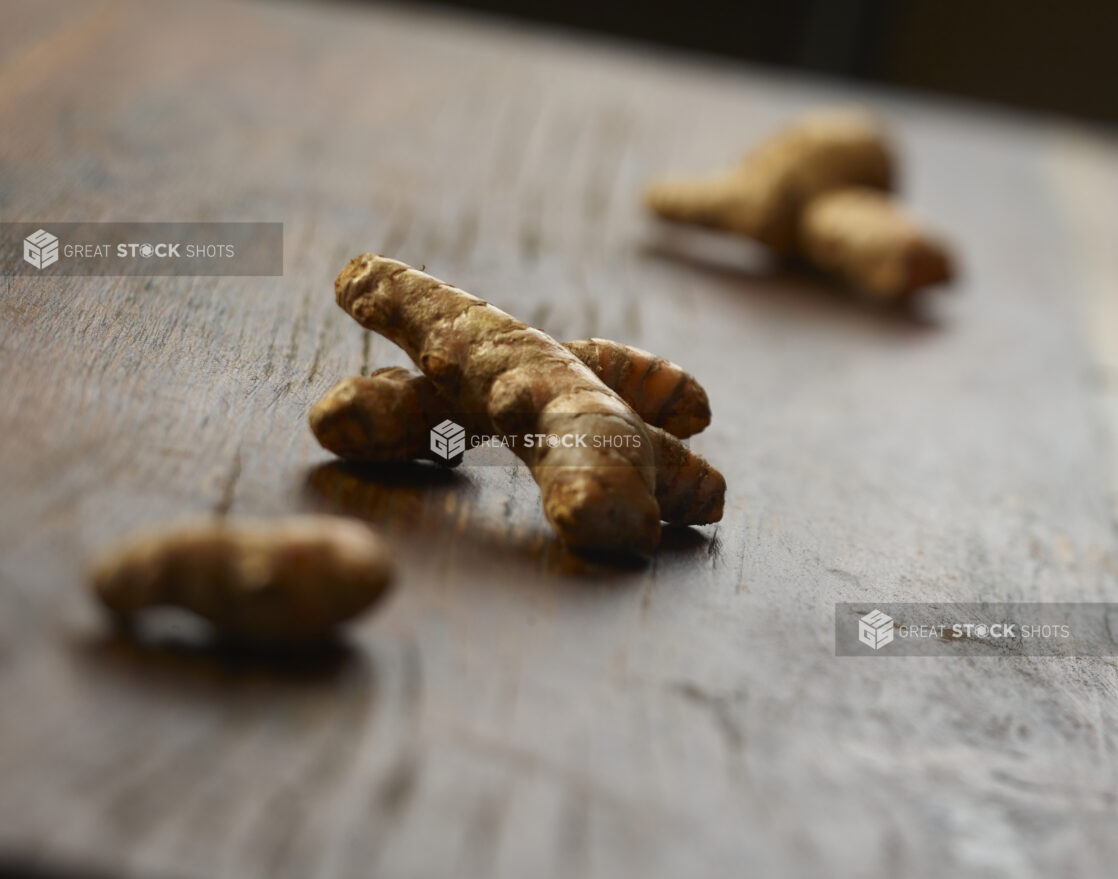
x=816 y=190
x=514 y=380
x=291 y=580
x=761 y=198
x=358 y=419
x=866 y=239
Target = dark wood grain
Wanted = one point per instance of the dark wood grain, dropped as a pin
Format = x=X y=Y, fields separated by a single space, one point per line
x=515 y=711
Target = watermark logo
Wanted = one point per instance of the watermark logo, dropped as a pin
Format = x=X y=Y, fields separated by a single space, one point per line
x=141 y=249
x=40 y=249
x=448 y=440
x=875 y=629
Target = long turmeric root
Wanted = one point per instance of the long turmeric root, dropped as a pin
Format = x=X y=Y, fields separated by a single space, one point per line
x=514 y=380
x=359 y=419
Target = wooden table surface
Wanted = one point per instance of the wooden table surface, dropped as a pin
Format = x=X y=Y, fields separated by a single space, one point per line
x=514 y=711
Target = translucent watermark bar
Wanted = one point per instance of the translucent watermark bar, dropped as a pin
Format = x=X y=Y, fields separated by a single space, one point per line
x=976 y=629
x=451 y=443
x=47 y=249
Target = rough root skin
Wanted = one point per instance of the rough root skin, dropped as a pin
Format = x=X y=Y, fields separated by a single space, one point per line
x=516 y=380
x=689 y=490
x=864 y=238
x=283 y=581
x=762 y=197
x=387 y=416
x=377 y=417
x=662 y=393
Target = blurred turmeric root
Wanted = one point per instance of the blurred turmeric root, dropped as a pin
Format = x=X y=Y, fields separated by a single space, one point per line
x=290 y=580
x=816 y=190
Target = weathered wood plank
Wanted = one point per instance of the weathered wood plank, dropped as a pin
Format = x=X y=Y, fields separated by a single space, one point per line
x=514 y=711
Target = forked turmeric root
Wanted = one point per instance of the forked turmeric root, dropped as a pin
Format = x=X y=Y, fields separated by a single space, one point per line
x=512 y=380
x=785 y=194
x=761 y=197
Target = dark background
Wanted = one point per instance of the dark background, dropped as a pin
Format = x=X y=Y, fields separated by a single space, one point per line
x=1057 y=56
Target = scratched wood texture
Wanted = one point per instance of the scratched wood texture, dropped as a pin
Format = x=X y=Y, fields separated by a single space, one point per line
x=514 y=711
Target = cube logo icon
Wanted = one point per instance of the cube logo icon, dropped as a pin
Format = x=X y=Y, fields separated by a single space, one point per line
x=448 y=439
x=40 y=249
x=875 y=629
